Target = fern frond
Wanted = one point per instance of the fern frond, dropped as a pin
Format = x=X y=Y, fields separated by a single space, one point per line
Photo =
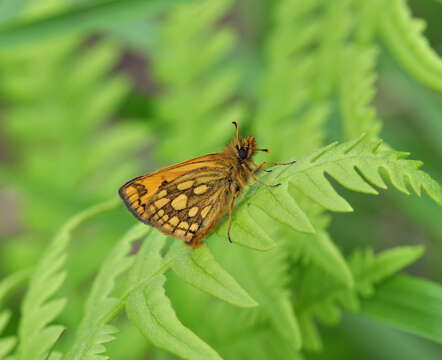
x=6 y=343
x=309 y=130
x=258 y=343
x=200 y=269
x=93 y=330
x=409 y=303
x=192 y=64
x=356 y=165
x=89 y=154
x=320 y=250
x=102 y=334
x=286 y=210
x=339 y=18
x=321 y=301
x=357 y=92
x=268 y=285
x=36 y=337
x=152 y=313
x=403 y=36
x=369 y=269
x=55 y=355
x=284 y=105
x=150 y=310
x=247 y=231
x=6 y=285
x=10 y=282
x=367 y=17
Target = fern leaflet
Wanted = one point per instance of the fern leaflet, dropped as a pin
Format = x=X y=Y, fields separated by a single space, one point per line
x=93 y=330
x=36 y=337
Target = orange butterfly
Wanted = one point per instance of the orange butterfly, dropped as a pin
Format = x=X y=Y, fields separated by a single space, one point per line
x=187 y=200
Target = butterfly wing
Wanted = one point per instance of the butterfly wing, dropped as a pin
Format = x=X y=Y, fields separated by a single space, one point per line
x=185 y=201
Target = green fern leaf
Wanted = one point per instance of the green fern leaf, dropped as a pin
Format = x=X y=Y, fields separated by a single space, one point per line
x=366 y=15
x=267 y=284
x=339 y=18
x=153 y=314
x=369 y=269
x=196 y=69
x=285 y=104
x=6 y=346
x=103 y=334
x=100 y=306
x=309 y=130
x=200 y=269
x=341 y=162
x=408 y=303
x=321 y=301
x=403 y=36
x=248 y=232
x=321 y=250
x=286 y=210
x=6 y=343
x=151 y=311
x=86 y=17
x=35 y=336
x=6 y=285
x=55 y=355
x=357 y=91
x=4 y=319
x=91 y=153
x=11 y=281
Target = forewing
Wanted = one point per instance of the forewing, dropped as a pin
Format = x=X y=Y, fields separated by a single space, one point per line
x=184 y=201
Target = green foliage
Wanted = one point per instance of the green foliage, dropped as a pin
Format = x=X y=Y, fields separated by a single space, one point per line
x=100 y=306
x=356 y=93
x=199 y=268
x=88 y=17
x=408 y=303
x=403 y=35
x=197 y=68
x=7 y=343
x=320 y=301
x=74 y=124
x=355 y=164
x=36 y=336
x=83 y=168
x=151 y=311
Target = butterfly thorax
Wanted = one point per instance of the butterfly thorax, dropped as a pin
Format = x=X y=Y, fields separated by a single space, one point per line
x=239 y=154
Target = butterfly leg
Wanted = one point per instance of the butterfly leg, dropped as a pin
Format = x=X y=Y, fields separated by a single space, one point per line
x=229 y=213
x=252 y=174
x=260 y=166
x=235 y=189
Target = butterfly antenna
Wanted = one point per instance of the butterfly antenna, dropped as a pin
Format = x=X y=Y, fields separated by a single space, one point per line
x=237 y=130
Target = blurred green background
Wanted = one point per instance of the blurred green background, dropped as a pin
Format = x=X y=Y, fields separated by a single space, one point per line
x=93 y=93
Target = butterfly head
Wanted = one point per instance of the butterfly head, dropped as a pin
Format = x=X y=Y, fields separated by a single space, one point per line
x=244 y=148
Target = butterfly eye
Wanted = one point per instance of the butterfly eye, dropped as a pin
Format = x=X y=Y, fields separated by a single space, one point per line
x=242 y=153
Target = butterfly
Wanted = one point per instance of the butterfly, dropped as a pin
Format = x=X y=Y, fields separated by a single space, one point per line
x=188 y=200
